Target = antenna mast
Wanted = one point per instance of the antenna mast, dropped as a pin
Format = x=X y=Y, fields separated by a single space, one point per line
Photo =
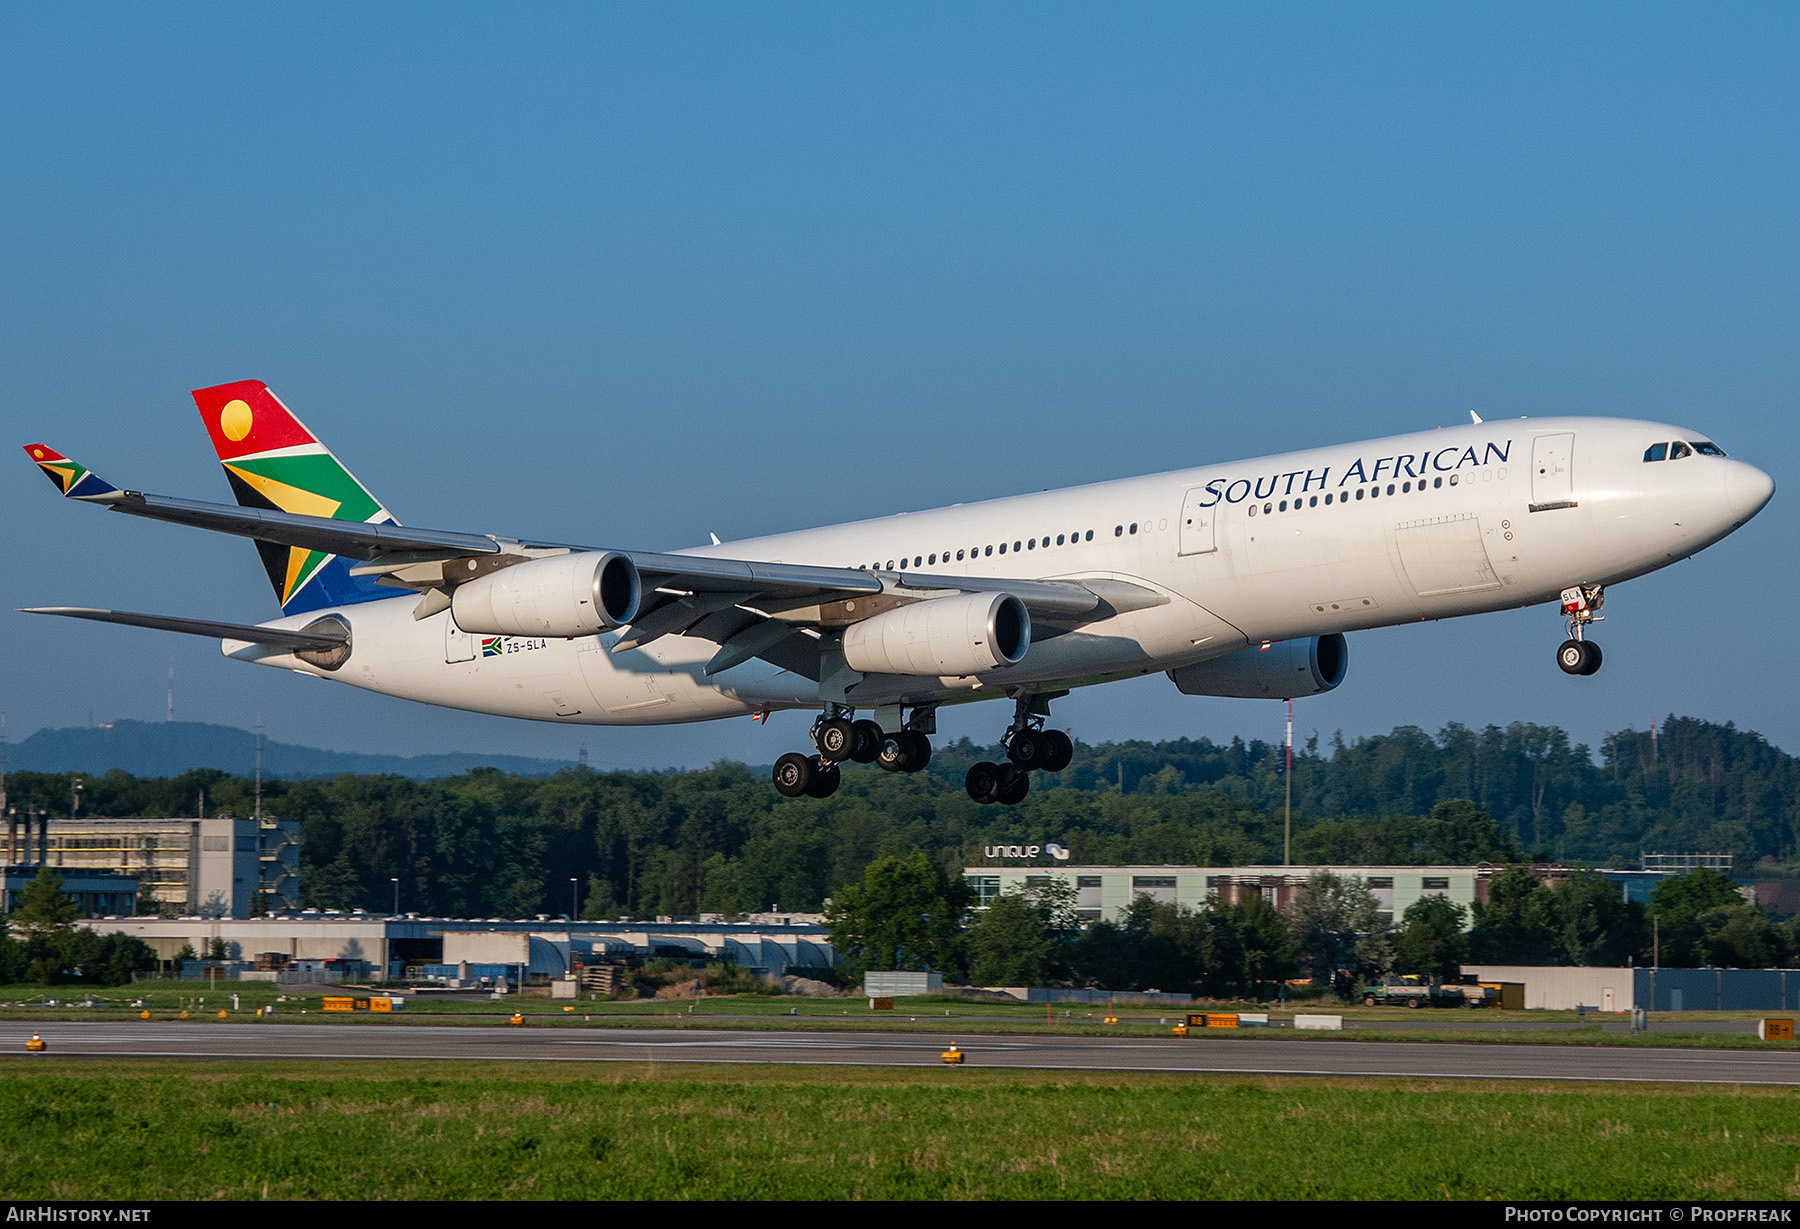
x=1287 y=779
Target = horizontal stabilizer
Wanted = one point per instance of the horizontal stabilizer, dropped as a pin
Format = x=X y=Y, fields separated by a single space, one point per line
x=279 y=637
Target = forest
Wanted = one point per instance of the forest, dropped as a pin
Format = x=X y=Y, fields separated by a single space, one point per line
x=720 y=840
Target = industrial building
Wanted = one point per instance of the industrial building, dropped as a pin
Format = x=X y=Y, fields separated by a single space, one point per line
x=216 y=866
x=462 y=950
x=1565 y=988
x=93 y=893
x=1104 y=893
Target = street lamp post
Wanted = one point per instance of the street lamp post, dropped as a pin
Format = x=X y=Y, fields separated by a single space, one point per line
x=574 y=912
x=396 y=883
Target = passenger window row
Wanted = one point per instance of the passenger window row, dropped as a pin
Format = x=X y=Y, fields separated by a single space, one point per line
x=980 y=552
x=1119 y=531
x=1269 y=508
x=1344 y=497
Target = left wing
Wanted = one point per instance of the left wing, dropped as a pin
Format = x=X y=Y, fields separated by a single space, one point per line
x=779 y=612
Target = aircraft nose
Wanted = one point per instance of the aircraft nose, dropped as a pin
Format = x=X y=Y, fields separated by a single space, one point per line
x=1747 y=489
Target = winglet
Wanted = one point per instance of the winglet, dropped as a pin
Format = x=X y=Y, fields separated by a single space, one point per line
x=71 y=477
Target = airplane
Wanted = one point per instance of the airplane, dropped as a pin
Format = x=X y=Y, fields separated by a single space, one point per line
x=1236 y=580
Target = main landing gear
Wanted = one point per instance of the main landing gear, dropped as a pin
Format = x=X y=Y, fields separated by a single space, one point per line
x=1577 y=654
x=1030 y=748
x=839 y=737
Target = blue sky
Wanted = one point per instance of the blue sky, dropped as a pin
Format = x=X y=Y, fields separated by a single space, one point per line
x=628 y=275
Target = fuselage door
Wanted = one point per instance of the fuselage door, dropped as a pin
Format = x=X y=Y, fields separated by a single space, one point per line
x=1552 y=469
x=1199 y=525
x=458 y=644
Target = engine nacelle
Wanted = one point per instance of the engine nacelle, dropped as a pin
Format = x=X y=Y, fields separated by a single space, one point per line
x=1282 y=671
x=576 y=594
x=968 y=634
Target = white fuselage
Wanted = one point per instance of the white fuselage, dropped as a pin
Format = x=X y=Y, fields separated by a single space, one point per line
x=1459 y=521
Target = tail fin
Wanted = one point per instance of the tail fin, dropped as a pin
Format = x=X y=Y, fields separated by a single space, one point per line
x=273 y=461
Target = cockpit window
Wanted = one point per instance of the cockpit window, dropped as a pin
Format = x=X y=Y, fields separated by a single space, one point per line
x=1708 y=449
x=1656 y=452
x=1678 y=450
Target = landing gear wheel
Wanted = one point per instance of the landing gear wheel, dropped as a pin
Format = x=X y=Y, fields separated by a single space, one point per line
x=983 y=782
x=1062 y=750
x=893 y=754
x=824 y=781
x=836 y=739
x=1014 y=783
x=793 y=773
x=1578 y=657
x=868 y=741
x=918 y=751
x=904 y=751
x=1028 y=749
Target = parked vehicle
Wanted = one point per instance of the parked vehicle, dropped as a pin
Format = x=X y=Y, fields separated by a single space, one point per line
x=1417 y=992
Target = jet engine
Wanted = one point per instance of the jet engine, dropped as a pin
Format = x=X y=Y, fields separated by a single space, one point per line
x=945 y=636
x=576 y=594
x=1281 y=671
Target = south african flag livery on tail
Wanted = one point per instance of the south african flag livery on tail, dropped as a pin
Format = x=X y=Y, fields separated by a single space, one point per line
x=75 y=479
x=273 y=461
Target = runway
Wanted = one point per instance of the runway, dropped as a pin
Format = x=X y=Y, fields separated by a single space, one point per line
x=1199 y=1055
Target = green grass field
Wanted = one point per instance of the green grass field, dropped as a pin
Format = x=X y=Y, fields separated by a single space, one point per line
x=189 y=1130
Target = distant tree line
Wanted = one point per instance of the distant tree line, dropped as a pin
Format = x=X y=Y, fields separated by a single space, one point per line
x=721 y=840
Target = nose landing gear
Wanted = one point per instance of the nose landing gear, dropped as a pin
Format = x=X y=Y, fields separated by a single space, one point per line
x=1577 y=654
x=1030 y=748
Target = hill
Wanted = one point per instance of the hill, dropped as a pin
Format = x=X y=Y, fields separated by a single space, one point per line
x=171 y=748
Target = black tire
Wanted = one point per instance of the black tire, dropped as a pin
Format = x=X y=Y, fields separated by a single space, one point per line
x=893 y=753
x=918 y=751
x=1028 y=749
x=836 y=739
x=793 y=772
x=1593 y=662
x=1572 y=655
x=1015 y=783
x=824 y=783
x=868 y=741
x=1368 y=1000
x=983 y=782
x=1062 y=750
x=1414 y=1003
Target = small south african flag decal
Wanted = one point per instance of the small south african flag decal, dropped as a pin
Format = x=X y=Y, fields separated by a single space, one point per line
x=490 y=645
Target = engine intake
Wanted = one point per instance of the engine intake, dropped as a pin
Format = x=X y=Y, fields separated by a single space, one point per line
x=576 y=594
x=946 y=636
x=1285 y=670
